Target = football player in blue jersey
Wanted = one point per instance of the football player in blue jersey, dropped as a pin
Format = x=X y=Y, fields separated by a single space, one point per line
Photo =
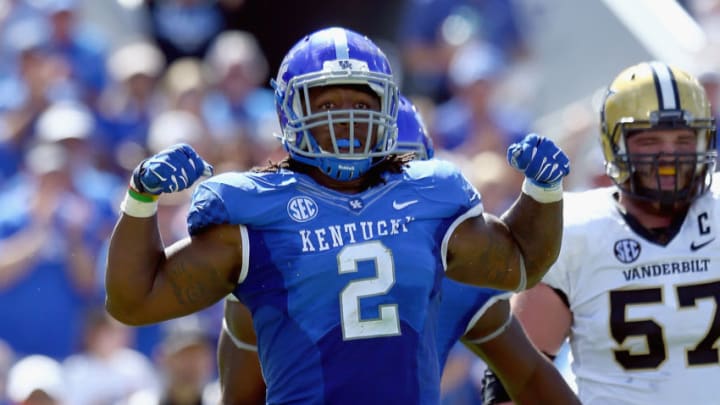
x=339 y=250
x=461 y=310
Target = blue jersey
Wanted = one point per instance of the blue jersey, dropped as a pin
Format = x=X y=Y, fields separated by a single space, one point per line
x=344 y=289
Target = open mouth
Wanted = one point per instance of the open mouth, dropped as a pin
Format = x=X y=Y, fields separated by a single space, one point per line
x=666 y=177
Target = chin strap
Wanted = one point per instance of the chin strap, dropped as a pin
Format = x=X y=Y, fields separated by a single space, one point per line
x=344 y=169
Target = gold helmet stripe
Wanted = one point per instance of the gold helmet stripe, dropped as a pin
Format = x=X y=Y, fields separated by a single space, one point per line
x=668 y=97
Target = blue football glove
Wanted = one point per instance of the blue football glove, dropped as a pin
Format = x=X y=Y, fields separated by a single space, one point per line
x=173 y=169
x=542 y=162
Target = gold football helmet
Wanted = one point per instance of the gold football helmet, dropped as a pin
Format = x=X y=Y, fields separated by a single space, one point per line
x=654 y=95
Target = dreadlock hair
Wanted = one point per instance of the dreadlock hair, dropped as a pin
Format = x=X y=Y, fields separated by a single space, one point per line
x=389 y=164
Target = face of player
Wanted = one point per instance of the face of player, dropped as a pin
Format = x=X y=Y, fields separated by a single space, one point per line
x=663 y=147
x=332 y=98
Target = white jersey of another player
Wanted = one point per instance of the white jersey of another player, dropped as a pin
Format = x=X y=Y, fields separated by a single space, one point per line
x=645 y=316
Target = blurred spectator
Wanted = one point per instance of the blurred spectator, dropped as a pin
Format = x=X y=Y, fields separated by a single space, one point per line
x=185 y=28
x=56 y=213
x=432 y=30
x=72 y=126
x=13 y=12
x=476 y=119
x=38 y=79
x=497 y=182
x=178 y=126
x=106 y=370
x=186 y=364
x=78 y=45
x=185 y=84
x=129 y=103
x=239 y=109
x=36 y=380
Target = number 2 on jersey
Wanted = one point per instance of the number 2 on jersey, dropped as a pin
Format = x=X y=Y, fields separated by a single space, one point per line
x=388 y=321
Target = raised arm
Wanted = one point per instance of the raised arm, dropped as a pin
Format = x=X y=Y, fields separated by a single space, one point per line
x=148 y=283
x=513 y=252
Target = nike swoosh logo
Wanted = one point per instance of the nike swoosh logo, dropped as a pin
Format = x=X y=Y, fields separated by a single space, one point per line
x=695 y=247
x=399 y=206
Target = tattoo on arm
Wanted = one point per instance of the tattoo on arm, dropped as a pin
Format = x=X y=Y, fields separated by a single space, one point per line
x=190 y=286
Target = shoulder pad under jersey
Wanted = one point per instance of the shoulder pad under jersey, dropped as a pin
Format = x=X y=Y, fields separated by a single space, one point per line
x=237 y=198
x=443 y=182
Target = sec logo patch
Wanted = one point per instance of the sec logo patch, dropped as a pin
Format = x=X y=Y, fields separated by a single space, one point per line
x=627 y=250
x=302 y=209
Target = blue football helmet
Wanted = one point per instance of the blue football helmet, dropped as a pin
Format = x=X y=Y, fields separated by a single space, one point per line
x=336 y=56
x=412 y=133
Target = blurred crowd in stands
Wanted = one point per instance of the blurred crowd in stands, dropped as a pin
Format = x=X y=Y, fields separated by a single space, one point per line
x=79 y=109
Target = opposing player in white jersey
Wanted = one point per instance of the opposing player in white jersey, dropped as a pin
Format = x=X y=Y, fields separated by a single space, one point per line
x=637 y=285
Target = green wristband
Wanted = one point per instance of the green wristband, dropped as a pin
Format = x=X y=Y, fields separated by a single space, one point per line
x=142 y=197
x=134 y=207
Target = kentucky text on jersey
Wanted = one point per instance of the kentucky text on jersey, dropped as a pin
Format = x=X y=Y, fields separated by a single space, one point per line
x=664 y=269
x=346 y=289
x=334 y=236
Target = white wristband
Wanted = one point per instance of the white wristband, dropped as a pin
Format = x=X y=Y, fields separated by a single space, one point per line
x=138 y=209
x=543 y=195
